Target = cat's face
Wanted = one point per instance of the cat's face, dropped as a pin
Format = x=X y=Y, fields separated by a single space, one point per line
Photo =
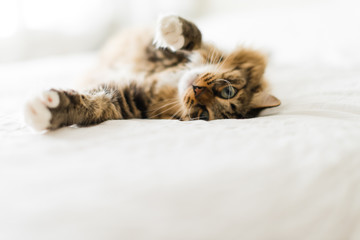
x=232 y=88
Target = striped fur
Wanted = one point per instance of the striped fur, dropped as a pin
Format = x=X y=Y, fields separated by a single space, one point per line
x=136 y=79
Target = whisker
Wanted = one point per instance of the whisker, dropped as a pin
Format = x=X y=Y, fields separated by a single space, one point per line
x=208 y=57
x=189 y=112
x=222 y=64
x=218 y=62
x=163 y=111
x=163 y=106
x=212 y=56
x=172 y=117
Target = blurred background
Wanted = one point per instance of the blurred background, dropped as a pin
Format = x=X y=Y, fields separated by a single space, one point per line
x=37 y=28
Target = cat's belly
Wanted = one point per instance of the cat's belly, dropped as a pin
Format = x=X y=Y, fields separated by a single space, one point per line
x=121 y=74
x=169 y=78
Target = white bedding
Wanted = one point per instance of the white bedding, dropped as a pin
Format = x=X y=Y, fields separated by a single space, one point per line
x=292 y=173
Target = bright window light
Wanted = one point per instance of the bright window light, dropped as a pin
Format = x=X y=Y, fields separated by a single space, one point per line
x=59 y=15
x=9 y=21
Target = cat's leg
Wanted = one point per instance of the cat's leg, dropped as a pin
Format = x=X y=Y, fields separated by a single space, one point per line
x=57 y=108
x=176 y=33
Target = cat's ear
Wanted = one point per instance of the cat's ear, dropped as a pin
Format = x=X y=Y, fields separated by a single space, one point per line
x=264 y=100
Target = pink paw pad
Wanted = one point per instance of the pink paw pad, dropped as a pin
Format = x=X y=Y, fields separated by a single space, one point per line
x=51 y=99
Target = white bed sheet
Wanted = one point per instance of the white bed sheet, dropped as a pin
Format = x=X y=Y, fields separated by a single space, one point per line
x=292 y=173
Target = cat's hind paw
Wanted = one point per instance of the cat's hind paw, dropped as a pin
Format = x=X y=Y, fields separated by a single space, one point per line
x=37 y=112
x=169 y=33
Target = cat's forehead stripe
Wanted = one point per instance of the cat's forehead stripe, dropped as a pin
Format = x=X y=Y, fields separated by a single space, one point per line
x=207 y=79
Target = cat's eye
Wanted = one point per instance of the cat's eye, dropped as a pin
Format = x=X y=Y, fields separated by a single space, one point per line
x=204 y=115
x=228 y=92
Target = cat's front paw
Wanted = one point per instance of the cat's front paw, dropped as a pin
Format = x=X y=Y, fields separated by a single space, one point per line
x=169 y=33
x=37 y=110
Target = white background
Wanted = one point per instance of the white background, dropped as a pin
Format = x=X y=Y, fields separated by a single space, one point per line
x=34 y=28
x=292 y=173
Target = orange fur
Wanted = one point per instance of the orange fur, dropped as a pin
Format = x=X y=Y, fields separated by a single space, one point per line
x=183 y=79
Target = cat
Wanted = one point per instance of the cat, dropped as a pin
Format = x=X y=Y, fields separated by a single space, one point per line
x=170 y=75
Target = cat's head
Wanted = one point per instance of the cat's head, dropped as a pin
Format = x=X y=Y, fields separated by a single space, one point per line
x=221 y=87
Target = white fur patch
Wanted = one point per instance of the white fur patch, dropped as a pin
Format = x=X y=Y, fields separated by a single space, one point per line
x=51 y=99
x=190 y=76
x=37 y=113
x=169 y=78
x=197 y=59
x=169 y=33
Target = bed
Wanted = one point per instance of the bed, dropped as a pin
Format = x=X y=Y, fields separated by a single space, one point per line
x=292 y=173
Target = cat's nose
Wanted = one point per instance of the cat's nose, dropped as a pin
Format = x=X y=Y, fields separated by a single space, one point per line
x=197 y=90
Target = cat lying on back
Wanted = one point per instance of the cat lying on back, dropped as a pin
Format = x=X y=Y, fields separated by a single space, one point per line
x=172 y=75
